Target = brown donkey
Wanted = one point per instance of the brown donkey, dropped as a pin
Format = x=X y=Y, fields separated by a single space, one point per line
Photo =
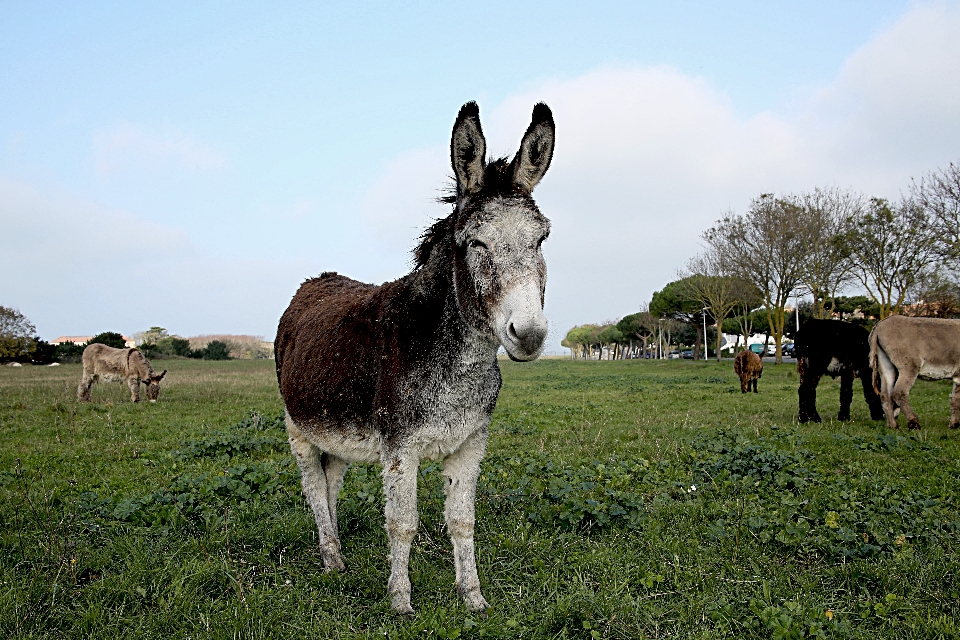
x=749 y=366
x=101 y=362
x=408 y=370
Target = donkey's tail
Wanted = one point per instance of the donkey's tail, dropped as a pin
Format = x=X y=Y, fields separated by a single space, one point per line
x=875 y=359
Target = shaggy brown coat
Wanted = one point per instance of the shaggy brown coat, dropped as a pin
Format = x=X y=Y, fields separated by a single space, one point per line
x=749 y=367
x=118 y=365
x=408 y=370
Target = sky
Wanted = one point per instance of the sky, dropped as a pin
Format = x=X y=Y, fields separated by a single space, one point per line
x=188 y=165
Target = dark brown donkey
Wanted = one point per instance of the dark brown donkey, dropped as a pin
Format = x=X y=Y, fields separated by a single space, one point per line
x=408 y=370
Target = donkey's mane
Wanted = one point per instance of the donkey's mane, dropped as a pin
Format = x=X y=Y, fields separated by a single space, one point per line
x=497 y=181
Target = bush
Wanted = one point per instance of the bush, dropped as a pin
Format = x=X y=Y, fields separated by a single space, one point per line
x=69 y=352
x=173 y=346
x=217 y=350
x=109 y=338
x=44 y=353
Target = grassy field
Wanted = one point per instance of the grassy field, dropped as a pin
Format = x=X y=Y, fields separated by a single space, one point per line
x=618 y=500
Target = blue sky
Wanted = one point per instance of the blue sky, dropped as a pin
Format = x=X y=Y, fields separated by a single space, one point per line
x=189 y=164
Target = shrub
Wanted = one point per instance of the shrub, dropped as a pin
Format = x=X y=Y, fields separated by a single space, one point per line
x=69 y=352
x=109 y=338
x=217 y=350
x=44 y=353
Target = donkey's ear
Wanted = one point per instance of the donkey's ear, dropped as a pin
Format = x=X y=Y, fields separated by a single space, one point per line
x=160 y=377
x=468 y=150
x=536 y=149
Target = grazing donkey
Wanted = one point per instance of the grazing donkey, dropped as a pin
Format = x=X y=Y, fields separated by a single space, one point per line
x=118 y=365
x=834 y=348
x=749 y=367
x=903 y=349
x=408 y=370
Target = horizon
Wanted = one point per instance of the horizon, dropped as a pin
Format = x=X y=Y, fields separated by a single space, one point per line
x=190 y=166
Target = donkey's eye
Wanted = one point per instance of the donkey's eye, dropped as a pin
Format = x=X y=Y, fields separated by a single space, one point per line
x=477 y=244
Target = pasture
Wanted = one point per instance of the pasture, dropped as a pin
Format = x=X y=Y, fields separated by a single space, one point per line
x=622 y=499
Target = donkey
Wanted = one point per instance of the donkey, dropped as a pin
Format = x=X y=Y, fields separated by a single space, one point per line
x=903 y=349
x=408 y=370
x=118 y=365
x=749 y=367
x=834 y=348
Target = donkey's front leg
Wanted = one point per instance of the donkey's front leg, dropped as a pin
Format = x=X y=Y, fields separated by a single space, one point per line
x=461 y=469
x=134 y=385
x=400 y=488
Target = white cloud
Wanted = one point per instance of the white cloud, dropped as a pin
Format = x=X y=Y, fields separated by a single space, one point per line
x=647 y=158
x=403 y=200
x=74 y=267
x=127 y=145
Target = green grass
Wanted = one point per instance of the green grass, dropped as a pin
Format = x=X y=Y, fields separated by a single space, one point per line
x=618 y=500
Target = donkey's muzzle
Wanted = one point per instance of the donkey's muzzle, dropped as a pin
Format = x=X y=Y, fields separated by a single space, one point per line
x=522 y=327
x=527 y=338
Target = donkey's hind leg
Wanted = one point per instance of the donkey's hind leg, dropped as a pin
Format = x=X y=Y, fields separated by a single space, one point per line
x=955 y=404
x=83 y=390
x=334 y=469
x=901 y=396
x=461 y=469
x=315 y=488
x=888 y=379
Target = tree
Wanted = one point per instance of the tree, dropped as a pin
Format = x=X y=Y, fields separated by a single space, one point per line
x=939 y=194
x=611 y=336
x=580 y=340
x=109 y=338
x=675 y=302
x=642 y=326
x=748 y=301
x=151 y=336
x=16 y=335
x=767 y=247
x=709 y=282
x=828 y=215
x=937 y=297
x=894 y=248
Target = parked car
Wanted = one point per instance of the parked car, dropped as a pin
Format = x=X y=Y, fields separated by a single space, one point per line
x=788 y=350
x=674 y=355
x=687 y=354
x=758 y=349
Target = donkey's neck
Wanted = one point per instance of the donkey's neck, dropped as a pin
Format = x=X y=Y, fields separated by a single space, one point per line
x=454 y=339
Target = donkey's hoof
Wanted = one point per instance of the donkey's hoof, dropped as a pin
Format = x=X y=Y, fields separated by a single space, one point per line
x=401 y=604
x=955 y=425
x=332 y=561
x=913 y=424
x=474 y=601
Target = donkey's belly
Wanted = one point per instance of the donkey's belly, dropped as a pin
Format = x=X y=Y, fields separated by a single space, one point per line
x=937 y=370
x=344 y=441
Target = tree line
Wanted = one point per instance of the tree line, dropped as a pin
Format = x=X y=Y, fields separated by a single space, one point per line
x=19 y=342
x=818 y=244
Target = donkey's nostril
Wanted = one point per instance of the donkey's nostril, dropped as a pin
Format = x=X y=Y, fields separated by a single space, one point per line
x=512 y=332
